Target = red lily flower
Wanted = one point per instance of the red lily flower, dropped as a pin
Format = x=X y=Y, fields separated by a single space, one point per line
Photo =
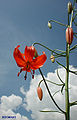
x=29 y=60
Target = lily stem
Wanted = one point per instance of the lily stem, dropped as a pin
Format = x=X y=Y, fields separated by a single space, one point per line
x=50 y=92
x=66 y=85
x=67 y=104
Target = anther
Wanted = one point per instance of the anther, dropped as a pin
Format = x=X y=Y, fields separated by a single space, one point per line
x=25 y=75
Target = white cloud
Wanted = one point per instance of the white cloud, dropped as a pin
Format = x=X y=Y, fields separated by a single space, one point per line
x=22 y=91
x=32 y=102
x=8 y=104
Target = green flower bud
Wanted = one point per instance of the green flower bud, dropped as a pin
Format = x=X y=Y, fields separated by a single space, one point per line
x=49 y=25
x=69 y=7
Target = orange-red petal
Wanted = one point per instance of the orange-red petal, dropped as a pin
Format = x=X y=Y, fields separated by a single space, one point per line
x=30 y=53
x=38 y=61
x=18 y=56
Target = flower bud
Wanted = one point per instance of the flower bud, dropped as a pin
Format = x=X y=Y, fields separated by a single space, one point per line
x=39 y=93
x=69 y=35
x=49 y=25
x=69 y=7
x=52 y=58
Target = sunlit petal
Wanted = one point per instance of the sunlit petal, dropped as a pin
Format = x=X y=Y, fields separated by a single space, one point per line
x=38 y=62
x=18 y=56
x=30 y=52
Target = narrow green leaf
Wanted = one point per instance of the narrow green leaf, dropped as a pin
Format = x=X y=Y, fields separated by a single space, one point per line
x=74 y=47
x=50 y=111
x=56 y=93
x=59 y=77
x=62 y=88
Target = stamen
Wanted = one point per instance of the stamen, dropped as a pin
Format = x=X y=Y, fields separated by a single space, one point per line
x=33 y=76
x=25 y=75
x=33 y=72
x=19 y=72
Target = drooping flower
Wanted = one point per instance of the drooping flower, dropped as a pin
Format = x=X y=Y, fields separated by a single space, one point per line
x=29 y=61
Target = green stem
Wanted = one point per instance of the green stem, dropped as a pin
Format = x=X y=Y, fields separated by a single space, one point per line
x=43 y=46
x=50 y=82
x=50 y=92
x=51 y=111
x=58 y=22
x=59 y=77
x=74 y=72
x=75 y=46
x=71 y=19
x=73 y=103
x=60 y=50
x=74 y=17
x=67 y=104
x=53 y=51
x=66 y=85
x=75 y=35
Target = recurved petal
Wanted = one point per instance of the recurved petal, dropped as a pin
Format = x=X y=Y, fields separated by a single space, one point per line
x=38 y=61
x=18 y=56
x=30 y=52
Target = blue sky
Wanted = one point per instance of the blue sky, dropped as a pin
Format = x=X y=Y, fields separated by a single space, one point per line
x=23 y=22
